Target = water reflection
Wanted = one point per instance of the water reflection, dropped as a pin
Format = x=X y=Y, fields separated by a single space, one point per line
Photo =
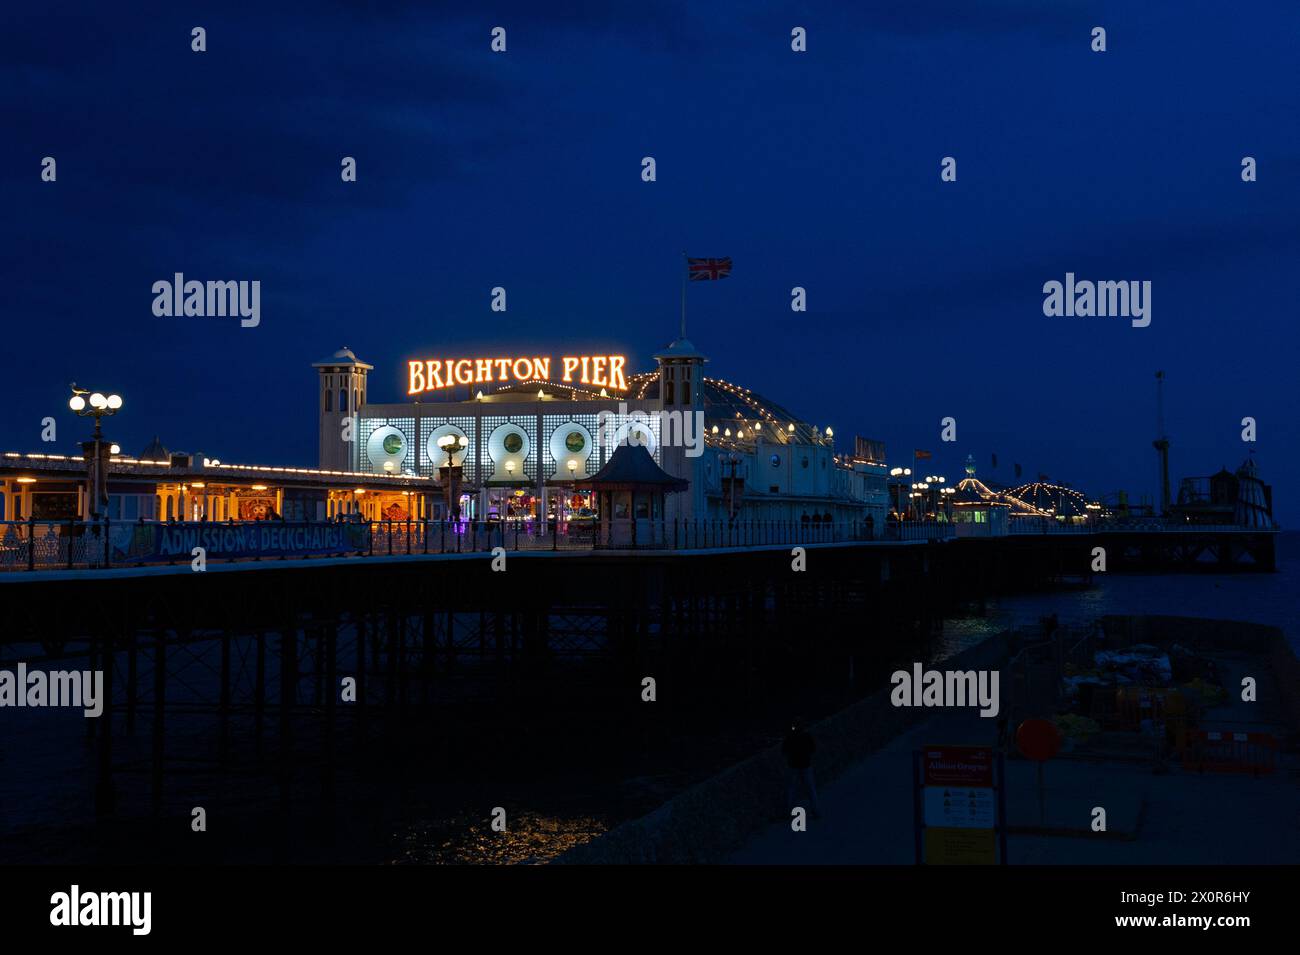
x=530 y=839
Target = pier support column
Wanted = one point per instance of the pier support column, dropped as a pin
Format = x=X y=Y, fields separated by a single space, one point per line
x=159 y=704
x=288 y=698
x=105 y=795
x=132 y=689
x=360 y=704
x=329 y=649
x=223 y=707
x=259 y=692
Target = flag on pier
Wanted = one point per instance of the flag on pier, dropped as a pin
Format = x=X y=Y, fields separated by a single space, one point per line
x=918 y=455
x=708 y=270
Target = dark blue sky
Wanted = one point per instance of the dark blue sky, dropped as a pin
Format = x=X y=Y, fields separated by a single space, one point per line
x=523 y=170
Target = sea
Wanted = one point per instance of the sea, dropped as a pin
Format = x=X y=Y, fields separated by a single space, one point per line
x=1272 y=599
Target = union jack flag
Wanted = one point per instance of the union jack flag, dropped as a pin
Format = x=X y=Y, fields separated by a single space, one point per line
x=707 y=270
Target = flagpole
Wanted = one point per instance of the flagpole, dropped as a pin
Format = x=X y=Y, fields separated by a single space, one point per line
x=684 y=273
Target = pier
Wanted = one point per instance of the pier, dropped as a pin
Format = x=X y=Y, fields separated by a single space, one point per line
x=257 y=650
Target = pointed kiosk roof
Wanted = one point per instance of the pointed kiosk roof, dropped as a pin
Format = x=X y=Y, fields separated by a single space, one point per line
x=630 y=468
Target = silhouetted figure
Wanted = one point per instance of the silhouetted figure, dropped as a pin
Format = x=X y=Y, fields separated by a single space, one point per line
x=871 y=528
x=798 y=748
x=805 y=519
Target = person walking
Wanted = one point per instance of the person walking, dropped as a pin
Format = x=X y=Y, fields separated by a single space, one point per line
x=798 y=748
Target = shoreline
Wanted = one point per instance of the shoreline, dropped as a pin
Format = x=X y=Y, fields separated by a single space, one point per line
x=712 y=820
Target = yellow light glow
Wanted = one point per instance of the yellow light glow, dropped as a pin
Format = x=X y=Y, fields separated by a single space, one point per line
x=432 y=374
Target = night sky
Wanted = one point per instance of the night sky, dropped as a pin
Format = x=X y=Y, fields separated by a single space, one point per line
x=523 y=170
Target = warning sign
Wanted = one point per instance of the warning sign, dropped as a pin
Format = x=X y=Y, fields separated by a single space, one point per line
x=964 y=808
x=958 y=766
x=958 y=810
x=959 y=846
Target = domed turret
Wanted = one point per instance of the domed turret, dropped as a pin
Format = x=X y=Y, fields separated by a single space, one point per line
x=156 y=451
x=341 y=393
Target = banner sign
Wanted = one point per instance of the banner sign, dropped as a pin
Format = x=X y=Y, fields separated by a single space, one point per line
x=153 y=543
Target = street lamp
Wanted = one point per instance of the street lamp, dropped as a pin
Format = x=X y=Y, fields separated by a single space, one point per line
x=453 y=444
x=95 y=405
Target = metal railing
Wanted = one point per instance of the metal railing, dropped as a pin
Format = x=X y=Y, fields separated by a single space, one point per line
x=1046 y=525
x=1030 y=526
x=79 y=545
x=45 y=545
x=71 y=545
x=443 y=537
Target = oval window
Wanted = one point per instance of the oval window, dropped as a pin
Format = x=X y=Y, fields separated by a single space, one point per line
x=574 y=441
x=776 y=460
x=513 y=442
x=392 y=444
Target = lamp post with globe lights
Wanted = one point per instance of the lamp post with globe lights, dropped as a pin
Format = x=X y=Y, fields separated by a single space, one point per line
x=96 y=451
x=453 y=444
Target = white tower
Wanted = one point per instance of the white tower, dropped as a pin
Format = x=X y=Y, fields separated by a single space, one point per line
x=342 y=393
x=681 y=390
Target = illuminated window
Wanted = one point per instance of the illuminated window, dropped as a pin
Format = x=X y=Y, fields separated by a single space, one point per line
x=668 y=392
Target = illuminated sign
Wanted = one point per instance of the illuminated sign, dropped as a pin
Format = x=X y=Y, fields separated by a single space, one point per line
x=599 y=371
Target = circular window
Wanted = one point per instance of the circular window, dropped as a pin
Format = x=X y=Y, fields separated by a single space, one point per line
x=513 y=442
x=392 y=443
x=776 y=460
x=574 y=441
x=804 y=462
